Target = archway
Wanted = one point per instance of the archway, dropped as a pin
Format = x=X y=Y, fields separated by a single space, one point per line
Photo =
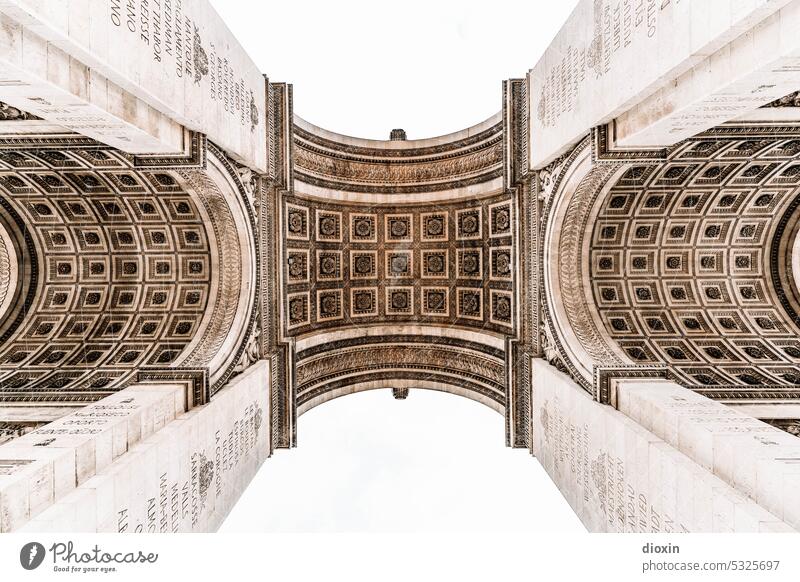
x=370 y=463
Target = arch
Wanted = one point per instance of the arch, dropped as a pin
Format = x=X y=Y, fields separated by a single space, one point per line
x=466 y=363
x=571 y=328
x=120 y=265
x=229 y=215
x=462 y=164
x=401 y=381
x=684 y=262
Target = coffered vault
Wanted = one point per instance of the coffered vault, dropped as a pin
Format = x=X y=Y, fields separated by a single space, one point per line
x=385 y=287
x=610 y=274
x=113 y=267
x=677 y=259
x=400 y=264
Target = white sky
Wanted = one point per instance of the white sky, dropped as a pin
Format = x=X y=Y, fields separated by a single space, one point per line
x=432 y=462
x=365 y=462
x=363 y=67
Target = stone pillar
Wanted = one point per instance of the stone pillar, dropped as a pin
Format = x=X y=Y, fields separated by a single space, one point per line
x=134 y=74
x=756 y=459
x=44 y=80
x=708 y=61
x=43 y=466
x=619 y=476
x=138 y=461
x=752 y=70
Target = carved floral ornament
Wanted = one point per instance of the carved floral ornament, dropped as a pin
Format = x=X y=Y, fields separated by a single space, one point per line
x=570 y=338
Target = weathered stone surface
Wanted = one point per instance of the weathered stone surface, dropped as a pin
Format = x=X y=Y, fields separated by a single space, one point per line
x=184 y=476
x=756 y=459
x=190 y=304
x=756 y=68
x=46 y=464
x=40 y=78
x=611 y=54
x=143 y=70
x=620 y=477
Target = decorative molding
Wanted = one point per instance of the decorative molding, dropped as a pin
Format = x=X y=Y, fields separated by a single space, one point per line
x=519 y=410
x=780 y=259
x=790 y=100
x=28 y=266
x=228 y=251
x=11 y=430
x=602 y=376
x=329 y=164
x=515 y=131
x=790 y=425
x=196 y=379
x=766 y=393
x=469 y=365
x=275 y=347
x=65 y=141
x=249 y=187
x=571 y=262
x=604 y=149
x=400 y=393
x=194 y=158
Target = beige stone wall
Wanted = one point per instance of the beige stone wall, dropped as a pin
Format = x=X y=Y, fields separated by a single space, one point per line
x=620 y=477
x=707 y=62
x=134 y=74
x=150 y=468
x=758 y=460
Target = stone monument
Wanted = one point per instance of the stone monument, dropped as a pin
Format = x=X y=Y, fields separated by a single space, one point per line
x=611 y=262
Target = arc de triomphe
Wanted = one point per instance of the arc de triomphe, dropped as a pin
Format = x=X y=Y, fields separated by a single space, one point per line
x=611 y=262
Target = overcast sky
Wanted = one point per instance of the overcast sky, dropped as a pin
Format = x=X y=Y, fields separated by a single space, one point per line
x=432 y=462
x=367 y=462
x=363 y=67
